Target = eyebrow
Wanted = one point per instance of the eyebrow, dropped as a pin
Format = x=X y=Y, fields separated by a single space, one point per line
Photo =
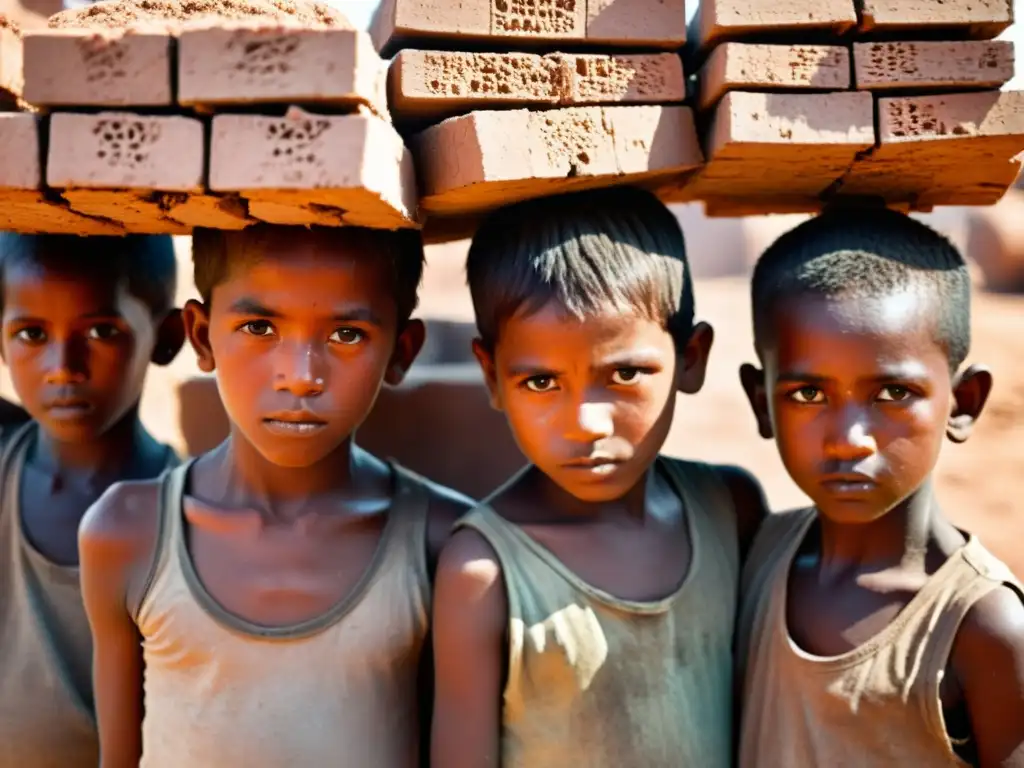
x=249 y=306
x=634 y=359
x=912 y=373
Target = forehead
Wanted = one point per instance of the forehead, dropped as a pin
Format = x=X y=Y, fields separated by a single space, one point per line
x=553 y=332
x=846 y=335
x=60 y=285
x=306 y=269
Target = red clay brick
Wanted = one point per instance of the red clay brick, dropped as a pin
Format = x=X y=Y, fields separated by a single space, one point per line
x=753 y=67
x=305 y=168
x=11 y=80
x=252 y=62
x=121 y=150
x=778 y=153
x=654 y=24
x=977 y=19
x=487 y=159
x=933 y=65
x=432 y=84
x=720 y=20
x=23 y=207
x=159 y=212
x=952 y=149
x=637 y=21
x=98 y=68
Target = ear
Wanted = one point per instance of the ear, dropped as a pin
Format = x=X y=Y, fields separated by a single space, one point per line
x=196 y=320
x=753 y=382
x=170 y=338
x=693 y=361
x=407 y=346
x=486 y=360
x=970 y=392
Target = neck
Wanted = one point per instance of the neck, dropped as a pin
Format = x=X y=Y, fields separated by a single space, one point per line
x=247 y=478
x=899 y=538
x=116 y=452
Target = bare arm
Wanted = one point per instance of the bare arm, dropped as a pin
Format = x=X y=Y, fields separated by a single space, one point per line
x=988 y=659
x=749 y=501
x=116 y=542
x=470 y=623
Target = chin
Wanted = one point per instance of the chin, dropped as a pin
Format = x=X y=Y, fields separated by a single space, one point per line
x=852 y=511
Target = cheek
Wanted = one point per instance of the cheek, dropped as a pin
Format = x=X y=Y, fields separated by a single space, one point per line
x=912 y=439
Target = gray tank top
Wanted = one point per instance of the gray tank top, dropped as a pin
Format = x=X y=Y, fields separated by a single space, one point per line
x=46 y=703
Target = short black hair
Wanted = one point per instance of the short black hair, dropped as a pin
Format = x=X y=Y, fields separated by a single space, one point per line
x=866 y=252
x=619 y=248
x=213 y=251
x=146 y=262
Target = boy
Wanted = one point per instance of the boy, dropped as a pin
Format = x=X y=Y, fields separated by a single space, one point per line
x=269 y=600
x=82 y=319
x=584 y=615
x=875 y=632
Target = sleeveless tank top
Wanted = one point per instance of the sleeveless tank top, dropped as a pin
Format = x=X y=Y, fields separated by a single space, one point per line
x=601 y=682
x=878 y=704
x=339 y=689
x=46 y=702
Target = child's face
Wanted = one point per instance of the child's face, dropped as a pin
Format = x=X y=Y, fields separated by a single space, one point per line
x=78 y=346
x=590 y=403
x=858 y=395
x=302 y=337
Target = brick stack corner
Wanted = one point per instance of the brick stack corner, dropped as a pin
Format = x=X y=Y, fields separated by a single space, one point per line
x=215 y=122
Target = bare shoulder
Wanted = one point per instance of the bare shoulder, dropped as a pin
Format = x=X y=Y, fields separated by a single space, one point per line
x=991 y=636
x=446 y=506
x=748 y=500
x=469 y=573
x=119 y=531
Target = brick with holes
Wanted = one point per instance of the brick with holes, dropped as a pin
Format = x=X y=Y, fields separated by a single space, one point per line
x=975 y=19
x=931 y=66
x=98 y=68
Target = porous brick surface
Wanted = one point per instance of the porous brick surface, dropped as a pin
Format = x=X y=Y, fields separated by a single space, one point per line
x=720 y=20
x=651 y=24
x=980 y=19
x=751 y=66
x=260 y=62
x=490 y=158
x=98 y=68
x=120 y=150
x=19 y=151
x=933 y=65
x=315 y=169
x=780 y=152
x=951 y=149
x=11 y=80
x=431 y=84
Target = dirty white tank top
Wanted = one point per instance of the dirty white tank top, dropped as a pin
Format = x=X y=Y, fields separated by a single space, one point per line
x=46 y=701
x=877 y=705
x=337 y=690
x=599 y=682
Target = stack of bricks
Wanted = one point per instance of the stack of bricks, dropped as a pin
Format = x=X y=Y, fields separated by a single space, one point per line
x=163 y=125
x=513 y=99
x=897 y=99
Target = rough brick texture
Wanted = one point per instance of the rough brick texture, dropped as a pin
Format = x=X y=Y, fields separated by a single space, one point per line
x=933 y=65
x=19 y=151
x=654 y=24
x=11 y=81
x=779 y=153
x=432 y=84
x=979 y=19
x=98 y=68
x=119 y=150
x=235 y=63
x=953 y=149
x=487 y=159
x=745 y=66
x=314 y=169
x=719 y=20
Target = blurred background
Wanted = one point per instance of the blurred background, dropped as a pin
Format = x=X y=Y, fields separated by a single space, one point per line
x=440 y=424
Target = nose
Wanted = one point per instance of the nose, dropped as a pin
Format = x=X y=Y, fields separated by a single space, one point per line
x=65 y=362
x=851 y=437
x=593 y=421
x=300 y=371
